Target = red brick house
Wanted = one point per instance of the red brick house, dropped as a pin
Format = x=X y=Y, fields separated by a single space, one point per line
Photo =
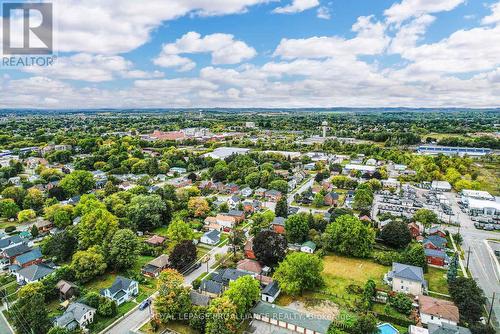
x=273 y=195
x=278 y=225
x=414 y=230
x=249 y=254
x=436 y=257
x=331 y=198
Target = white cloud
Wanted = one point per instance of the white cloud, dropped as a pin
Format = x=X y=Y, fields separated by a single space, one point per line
x=323 y=13
x=297 y=6
x=223 y=48
x=370 y=40
x=92 y=68
x=117 y=26
x=406 y=9
x=409 y=34
x=494 y=17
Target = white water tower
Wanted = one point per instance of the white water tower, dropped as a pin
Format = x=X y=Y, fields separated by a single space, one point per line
x=324 y=126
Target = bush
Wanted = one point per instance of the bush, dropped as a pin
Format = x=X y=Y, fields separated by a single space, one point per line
x=196 y=283
x=386 y=258
x=401 y=303
x=10 y=229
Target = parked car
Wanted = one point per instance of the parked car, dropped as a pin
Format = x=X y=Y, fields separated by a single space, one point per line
x=145 y=304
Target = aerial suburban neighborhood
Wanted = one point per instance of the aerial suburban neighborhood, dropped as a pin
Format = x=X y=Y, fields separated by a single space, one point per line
x=243 y=229
x=250 y=167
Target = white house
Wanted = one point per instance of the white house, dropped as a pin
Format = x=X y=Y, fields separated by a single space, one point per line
x=211 y=237
x=33 y=273
x=406 y=278
x=122 y=290
x=77 y=315
x=308 y=247
x=437 y=311
x=270 y=292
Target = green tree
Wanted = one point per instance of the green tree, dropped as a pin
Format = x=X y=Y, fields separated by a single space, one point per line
x=179 y=231
x=415 y=256
x=350 y=236
x=25 y=216
x=369 y=292
x=396 y=234
x=363 y=198
x=426 y=217
x=366 y=323
x=96 y=228
x=183 y=255
x=282 y=207
x=173 y=298
x=60 y=246
x=220 y=171
x=77 y=183
x=452 y=269
x=401 y=303
x=299 y=272
x=253 y=179
x=28 y=313
x=222 y=317
x=124 y=249
x=280 y=185
x=147 y=212
x=15 y=193
x=34 y=231
x=319 y=200
x=243 y=293
x=34 y=200
x=297 y=228
x=88 y=264
x=269 y=247
x=8 y=208
x=198 y=207
x=469 y=298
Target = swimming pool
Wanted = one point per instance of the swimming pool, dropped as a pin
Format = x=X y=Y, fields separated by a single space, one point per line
x=387 y=329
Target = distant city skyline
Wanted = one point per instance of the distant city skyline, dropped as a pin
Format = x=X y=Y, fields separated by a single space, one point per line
x=262 y=53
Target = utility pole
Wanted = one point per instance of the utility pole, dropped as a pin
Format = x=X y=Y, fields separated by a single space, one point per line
x=491 y=308
x=468 y=258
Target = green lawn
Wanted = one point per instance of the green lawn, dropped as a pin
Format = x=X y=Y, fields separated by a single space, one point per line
x=177 y=326
x=437 y=280
x=202 y=250
x=5 y=223
x=161 y=231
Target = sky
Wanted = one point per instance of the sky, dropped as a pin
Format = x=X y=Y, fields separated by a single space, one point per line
x=265 y=53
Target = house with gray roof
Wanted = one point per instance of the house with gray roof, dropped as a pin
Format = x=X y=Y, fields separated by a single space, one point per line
x=211 y=288
x=11 y=252
x=33 y=273
x=77 y=315
x=447 y=329
x=32 y=257
x=211 y=237
x=289 y=318
x=122 y=290
x=270 y=292
x=199 y=299
x=407 y=279
x=10 y=241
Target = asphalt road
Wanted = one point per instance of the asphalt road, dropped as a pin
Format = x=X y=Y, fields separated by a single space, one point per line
x=483 y=264
x=137 y=318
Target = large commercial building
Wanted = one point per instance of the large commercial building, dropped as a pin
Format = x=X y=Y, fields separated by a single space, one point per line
x=448 y=150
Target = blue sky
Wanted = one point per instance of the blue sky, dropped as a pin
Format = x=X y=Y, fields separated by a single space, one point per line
x=260 y=53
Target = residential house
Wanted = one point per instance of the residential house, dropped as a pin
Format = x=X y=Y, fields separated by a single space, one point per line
x=234 y=201
x=273 y=195
x=33 y=273
x=270 y=292
x=246 y=192
x=7 y=242
x=436 y=230
x=278 y=225
x=154 y=267
x=211 y=288
x=331 y=198
x=123 y=289
x=77 y=315
x=44 y=226
x=447 y=329
x=308 y=247
x=414 y=230
x=155 y=240
x=436 y=257
x=231 y=188
x=249 y=266
x=211 y=237
x=250 y=206
x=406 y=278
x=249 y=254
x=225 y=221
x=67 y=290
x=437 y=311
x=289 y=318
x=27 y=259
x=198 y=299
x=237 y=214
x=11 y=253
x=435 y=242
x=260 y=192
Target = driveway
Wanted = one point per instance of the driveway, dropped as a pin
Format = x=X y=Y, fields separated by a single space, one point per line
x=136 y=318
